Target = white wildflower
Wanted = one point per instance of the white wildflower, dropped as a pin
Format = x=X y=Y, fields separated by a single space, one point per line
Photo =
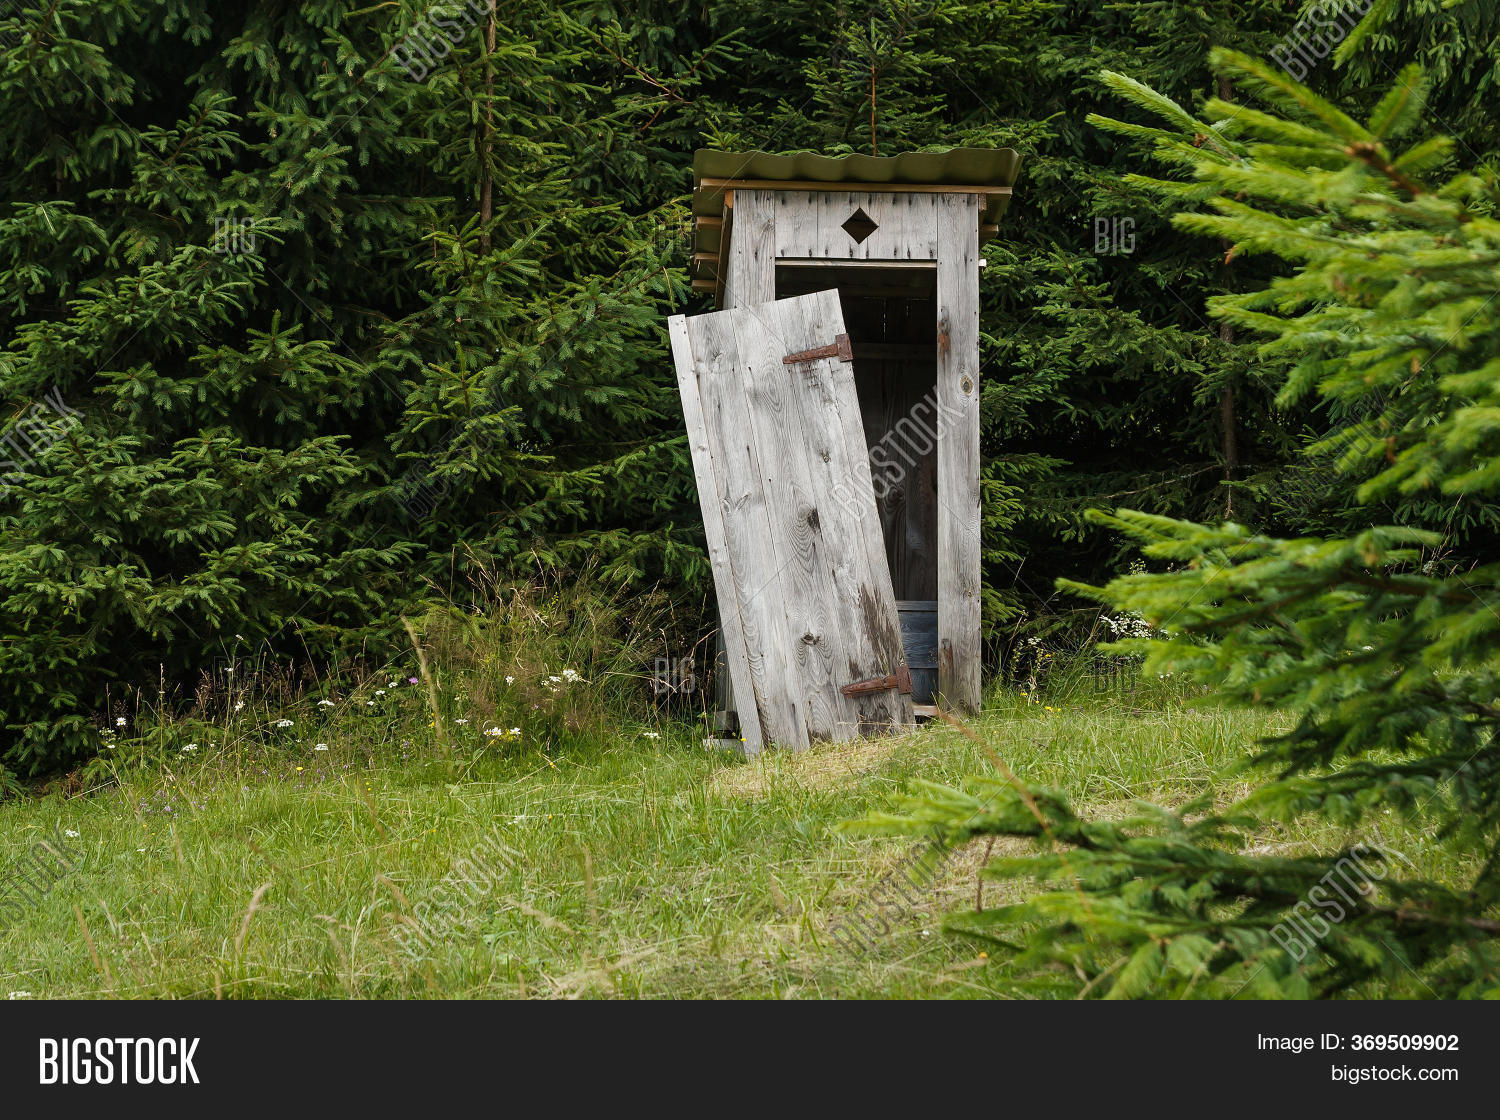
x=71 y=833
x=119 y=721
x=325 y=703
x=570 y=675
x=652 y=734
x=18 y=995
x=321 y=747
x=510 y=680
x=283 y=723
x=460 y=721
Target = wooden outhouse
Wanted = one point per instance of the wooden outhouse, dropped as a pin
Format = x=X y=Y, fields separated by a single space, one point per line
x=832 y=405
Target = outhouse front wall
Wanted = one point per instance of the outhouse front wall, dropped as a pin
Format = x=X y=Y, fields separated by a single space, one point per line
x=810 y=225
x=927 y=228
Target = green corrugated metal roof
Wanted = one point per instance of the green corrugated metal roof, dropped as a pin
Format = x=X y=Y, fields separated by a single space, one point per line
x=968 y=167
x=958 y=167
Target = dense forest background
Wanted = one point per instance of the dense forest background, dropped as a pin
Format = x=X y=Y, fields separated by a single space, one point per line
x=302 y=329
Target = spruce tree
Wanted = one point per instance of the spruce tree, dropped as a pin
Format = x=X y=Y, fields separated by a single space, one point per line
x=326 y=321
x=1383 y=650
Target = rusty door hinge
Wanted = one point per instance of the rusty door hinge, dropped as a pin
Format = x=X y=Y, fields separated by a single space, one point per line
x=839 y=348
x=900 y=679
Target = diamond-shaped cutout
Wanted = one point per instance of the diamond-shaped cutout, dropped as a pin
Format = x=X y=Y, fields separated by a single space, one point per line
x=860 y=225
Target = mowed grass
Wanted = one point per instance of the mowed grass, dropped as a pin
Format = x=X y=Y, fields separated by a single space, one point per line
x=643 y=866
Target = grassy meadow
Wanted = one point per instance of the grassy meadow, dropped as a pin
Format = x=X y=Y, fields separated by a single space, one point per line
x=276 y=841
x=648 y=866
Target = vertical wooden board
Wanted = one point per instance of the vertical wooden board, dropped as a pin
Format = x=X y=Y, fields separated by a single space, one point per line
x=820 y=202
x=752 y=252
x=711 y=501
x=749 y=276
x=834 y=208
x=796 y=222
x=852 y=249
x=712 y=497
x=755 y=572
x=907 y=226
x=899 y=410
x=888 y=241
x=834 y=433
x=766 y=334
x=958 y=451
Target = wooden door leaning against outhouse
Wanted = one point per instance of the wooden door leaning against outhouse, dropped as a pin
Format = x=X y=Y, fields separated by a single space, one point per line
x=808 y=613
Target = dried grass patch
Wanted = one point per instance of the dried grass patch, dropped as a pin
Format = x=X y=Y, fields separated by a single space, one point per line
x=822 y=766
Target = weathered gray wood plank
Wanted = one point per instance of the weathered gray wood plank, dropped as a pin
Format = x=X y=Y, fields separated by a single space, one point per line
x=750 y=277
x=755 y=573
x=829 y=239
x=796 y=222
x=752 y=251
x=958 y=452
x=711 y=496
